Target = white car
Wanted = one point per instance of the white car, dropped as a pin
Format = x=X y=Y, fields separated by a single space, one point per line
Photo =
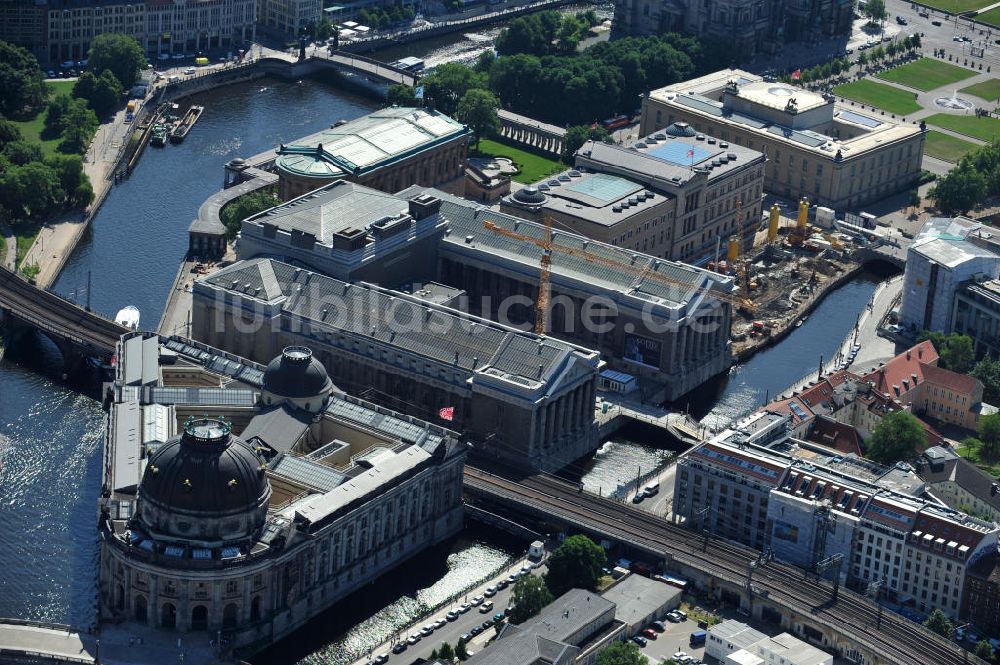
x=490 y=591
x=413 y=639
x=477 y=601
x=439 y=623
x=427 y=630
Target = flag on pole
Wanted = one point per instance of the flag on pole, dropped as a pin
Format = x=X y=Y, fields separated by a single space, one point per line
x=797 y=74
x=447 y=413
x=691 y=153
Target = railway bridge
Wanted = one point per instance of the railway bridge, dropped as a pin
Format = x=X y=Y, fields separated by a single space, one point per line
x=847 y=624
x=77 y=332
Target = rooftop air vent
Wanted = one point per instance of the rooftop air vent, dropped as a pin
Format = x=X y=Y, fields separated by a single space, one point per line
x=660 y=136
x=723 y=145
x=699 y=137
x=564 y=178
x=711 y=140
x=640 y=146
x=574 y=174
x=731 y=156
x=469 y=239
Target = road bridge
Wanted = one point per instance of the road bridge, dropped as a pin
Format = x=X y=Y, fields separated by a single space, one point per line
x=851 y=625
x=319 y=58
x=77 y=332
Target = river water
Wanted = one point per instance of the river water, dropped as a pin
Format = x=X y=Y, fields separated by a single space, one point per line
x=50 y=436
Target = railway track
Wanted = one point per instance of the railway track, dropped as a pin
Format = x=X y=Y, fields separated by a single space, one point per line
x=896 y=638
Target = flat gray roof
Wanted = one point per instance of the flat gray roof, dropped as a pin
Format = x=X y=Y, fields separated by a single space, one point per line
x=637 y=597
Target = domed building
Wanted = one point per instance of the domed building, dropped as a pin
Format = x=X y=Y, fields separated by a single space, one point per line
x=248 y=536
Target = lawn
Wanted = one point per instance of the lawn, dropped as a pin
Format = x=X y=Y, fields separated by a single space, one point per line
x=977 y=127
x=988 y=90
x=957 y=6
x=973 y=456
x=992 y=17
x=926 y=74
x=532 y=167
x=946 y=147
x=879 y=95
x=31 y=128
x=25 y=232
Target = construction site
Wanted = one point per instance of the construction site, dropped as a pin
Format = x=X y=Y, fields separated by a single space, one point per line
x=791 y=264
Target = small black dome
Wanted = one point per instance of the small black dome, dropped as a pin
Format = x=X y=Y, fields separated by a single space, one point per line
x=680 y=129
x=206 y=472
x=529 y=195
x=295 y=374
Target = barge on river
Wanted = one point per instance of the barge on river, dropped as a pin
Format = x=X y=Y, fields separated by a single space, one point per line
x=180 y=131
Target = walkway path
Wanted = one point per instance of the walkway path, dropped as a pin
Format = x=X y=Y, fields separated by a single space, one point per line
x=58 y=237
x=9 y=259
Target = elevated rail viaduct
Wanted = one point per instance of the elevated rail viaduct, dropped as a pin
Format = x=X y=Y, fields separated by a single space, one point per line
x=851 y=626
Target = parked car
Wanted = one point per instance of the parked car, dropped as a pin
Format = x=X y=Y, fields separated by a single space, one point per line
x=673 y=617
x=487 y=624
x=937 y=23
x=639 y=496
x=901 y=20
x=658 y=625
x=399 y=647
x=477 y=601
x=189 y=71
x=476 y=630
x=412 y=639
x=640 y=640
x=649 y=634
x=490 y=591
x=502 y=584
x=451 y=616
x=499 y=616
x=464 y=607
x=427 y=630
x=486 y=607
x=382 y=658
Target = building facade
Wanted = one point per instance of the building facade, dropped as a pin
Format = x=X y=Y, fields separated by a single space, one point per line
x=247 y=537
x=807 y=505
x=815 y=148
x=525 y=399
x=747 y=26
x=977 y=314
x=674 y=194
x=160 y=26
x=288 y=17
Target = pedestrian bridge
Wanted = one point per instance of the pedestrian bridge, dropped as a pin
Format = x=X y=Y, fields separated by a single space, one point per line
x=319 y=59
x=76 y=331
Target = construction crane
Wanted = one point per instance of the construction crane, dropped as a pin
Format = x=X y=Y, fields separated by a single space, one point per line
x=545 y=271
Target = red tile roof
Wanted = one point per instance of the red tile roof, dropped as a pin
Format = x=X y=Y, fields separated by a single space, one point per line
x=903 y=367
x=959 y=383
x=828 y=432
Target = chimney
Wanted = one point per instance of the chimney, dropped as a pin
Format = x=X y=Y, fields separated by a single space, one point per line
x=914 y=377
x=920 y=352
x=424 y=205
x=909 y=353
x=895 y=389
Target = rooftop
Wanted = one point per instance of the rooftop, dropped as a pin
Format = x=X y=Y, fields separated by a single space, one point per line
x=637 y=597
x=368 y=142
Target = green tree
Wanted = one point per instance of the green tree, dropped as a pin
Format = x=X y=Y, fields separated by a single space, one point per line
x=577 y=562
x=122 y=54
x=9 y=132
x=984 y=650
x=448 y=83
x=989 y=435
x=963 y=188
x=31 y=190
x=80 y=124
x=940 y=624
x=484 y=63
x=22 y=84
x=22 y=152
x=322 y=29
x=101 y=92
x=958 y=354
x=460 y=651
x=401 y=95
x=478 y=110
x=249 y=204
x=72 y=179
x=875 y=10
x=577 y=135
x=446 y=652
x=621 y=653
x=987 y=370
x=528 y=597
x=55 y=116
x=898 y=437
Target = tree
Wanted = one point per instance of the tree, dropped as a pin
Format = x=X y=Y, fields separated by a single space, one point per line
x=22 y=84
x=898 y=437
x=460 y=651
x=21 y=152
x=958 y=354
x=446 y=652
x=122 y=54
x=989 y=435
x=401 y=94
x=55 y=116
x=621 y=653
x=577 y=135
x=984 y=650
x=80 y=124
x=72 y=179
x=914 y=200
x=863 y=59
x=322 y=29
x=960 y=190
x=478 y=110
x=529 y=596
x=875 y=10
x=448 y=83
x=31 y=190
x=577 y=562
x=987 y=370
x=940 y=624
x=245 y=206
x=485 y=61
x=9 y=132
x=101 y=92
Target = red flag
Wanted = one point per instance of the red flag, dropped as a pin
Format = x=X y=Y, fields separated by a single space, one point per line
x=797 y=74
x=691 y=153
x=447 y=413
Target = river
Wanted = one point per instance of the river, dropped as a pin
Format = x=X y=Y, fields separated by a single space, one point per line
x=50 y=436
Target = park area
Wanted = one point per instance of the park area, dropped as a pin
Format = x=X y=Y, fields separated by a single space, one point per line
x=531 y=166
x=988 y=90
x=946 y=147
x=926 y=74
x=957 y=6
x=879 y=95
x=32 y=128
x=992 y=17
x=978 y=127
